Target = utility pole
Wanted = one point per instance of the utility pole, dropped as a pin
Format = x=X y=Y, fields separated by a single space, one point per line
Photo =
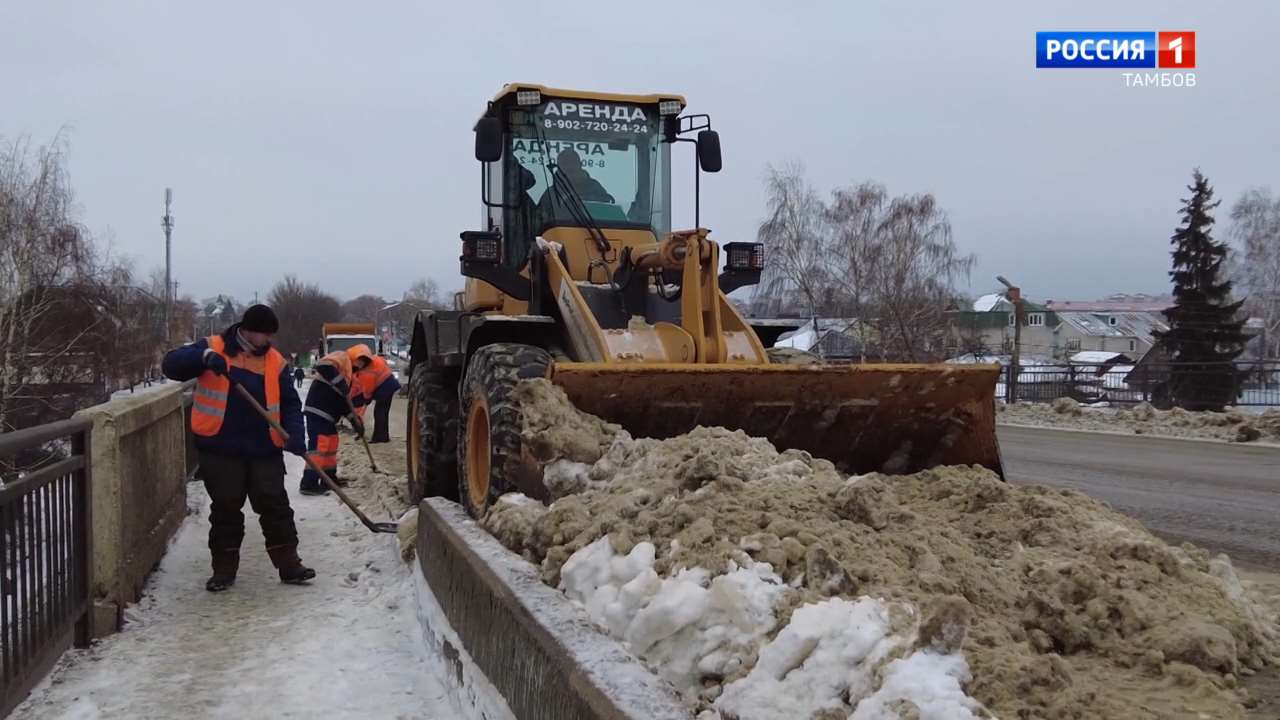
x=166 y=222
x=1014 y=295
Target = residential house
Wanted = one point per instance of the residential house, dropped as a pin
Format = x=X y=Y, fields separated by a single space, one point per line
x=217 y=315
x=1132 y=333
x=1117 y=324
x=987 y=328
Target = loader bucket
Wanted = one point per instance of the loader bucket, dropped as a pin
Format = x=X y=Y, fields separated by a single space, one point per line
x=864 y=418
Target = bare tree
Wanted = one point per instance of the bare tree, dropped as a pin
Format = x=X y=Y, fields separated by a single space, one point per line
x=1255 y=226
x=913 y=281
x=426 y=294
x=423 y=294
x=797 y=237
x=890 y=262
x=362 y=309
x=43 y=251
x=857 y=251
x=302 y=309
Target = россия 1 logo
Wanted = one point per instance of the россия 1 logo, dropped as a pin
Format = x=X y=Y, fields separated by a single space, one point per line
x=1168 y=50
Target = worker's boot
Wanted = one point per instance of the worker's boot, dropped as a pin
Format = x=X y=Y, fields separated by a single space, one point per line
x=287 y=562
x=311 y=484
x=225 y=565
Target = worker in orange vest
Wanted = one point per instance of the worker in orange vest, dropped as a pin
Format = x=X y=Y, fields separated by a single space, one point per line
x=325 y=407
x=240 y=454
x=374 y=382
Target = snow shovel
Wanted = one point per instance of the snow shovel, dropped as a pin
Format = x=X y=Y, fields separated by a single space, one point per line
x=378 y=527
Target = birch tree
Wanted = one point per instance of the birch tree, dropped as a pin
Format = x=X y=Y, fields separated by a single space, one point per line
x=1255 y=226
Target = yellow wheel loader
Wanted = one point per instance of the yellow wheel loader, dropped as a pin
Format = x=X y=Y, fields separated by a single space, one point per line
x=577 y=276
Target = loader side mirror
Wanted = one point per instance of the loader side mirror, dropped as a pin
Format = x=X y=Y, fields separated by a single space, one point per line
x=709 y=151
x=489 y=139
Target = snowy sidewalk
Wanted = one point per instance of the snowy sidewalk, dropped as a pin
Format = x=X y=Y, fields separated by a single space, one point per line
x=349 y=645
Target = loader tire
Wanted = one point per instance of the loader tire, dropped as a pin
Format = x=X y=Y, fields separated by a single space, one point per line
x=432 y=435
x=491 y=457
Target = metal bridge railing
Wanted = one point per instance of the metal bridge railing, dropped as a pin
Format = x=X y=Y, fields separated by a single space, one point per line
x=45 y=551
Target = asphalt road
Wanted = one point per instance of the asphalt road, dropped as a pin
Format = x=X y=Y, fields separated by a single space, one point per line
x=1223 y=497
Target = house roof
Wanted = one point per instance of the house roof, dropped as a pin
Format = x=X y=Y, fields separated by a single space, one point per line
x=1119 y=302
x=1127 y=324
x=991 y=301
x=805 y=338
x=997 y=302
x=1097 y=356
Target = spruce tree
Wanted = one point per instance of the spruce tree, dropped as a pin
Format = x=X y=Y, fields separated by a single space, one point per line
x=1204 y=335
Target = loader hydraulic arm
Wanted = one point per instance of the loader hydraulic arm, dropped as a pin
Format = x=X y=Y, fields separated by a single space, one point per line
x=697 y=257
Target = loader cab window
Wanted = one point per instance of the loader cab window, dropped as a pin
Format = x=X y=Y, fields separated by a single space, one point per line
x=610 y=156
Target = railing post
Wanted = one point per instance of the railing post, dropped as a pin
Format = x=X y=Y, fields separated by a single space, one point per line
x=81 y=444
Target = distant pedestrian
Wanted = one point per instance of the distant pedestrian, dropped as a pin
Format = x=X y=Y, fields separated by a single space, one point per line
x=240 y=454
x=374 y=382
x=299 y=375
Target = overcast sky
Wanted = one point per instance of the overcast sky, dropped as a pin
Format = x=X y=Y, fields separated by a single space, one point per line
x=333 y=139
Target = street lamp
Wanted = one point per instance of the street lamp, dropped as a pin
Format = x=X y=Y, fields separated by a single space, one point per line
x=1014 y=295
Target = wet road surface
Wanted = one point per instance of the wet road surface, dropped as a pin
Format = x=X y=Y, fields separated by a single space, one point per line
x=1223 y=497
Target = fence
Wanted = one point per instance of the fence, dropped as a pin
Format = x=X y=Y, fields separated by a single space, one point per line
x=45 y=552
x=1257 y=382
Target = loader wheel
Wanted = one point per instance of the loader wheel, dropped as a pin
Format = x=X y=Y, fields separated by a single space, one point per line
x=433 y=435
x=490 y=448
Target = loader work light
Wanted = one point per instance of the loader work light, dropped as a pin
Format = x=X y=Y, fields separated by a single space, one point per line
x=669 y=107
x=528 y=97
x=744 y=256
x=481 y=247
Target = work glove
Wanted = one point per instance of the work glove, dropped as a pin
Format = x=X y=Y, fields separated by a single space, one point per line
x=215 y=363
x=296 y=445
x=358 y=424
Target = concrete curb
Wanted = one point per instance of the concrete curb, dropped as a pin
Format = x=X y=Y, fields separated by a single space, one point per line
x=536 y=648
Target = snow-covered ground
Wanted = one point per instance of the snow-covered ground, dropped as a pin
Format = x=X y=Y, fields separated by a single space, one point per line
x=347 y=646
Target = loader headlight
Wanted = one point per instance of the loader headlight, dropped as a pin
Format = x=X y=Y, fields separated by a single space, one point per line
x=481 y=247
x=744 y=256
x=668 y=107
x=528 y=97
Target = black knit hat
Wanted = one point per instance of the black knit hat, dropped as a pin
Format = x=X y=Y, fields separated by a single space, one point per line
x=260 y=318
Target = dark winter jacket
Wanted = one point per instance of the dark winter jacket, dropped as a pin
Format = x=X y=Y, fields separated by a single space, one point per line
x=322 y=397
x=243 y=431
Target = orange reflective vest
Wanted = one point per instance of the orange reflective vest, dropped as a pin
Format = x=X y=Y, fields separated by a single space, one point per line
x=341 y=362
x=209 y=401
x=377 y=373
x=372 y=376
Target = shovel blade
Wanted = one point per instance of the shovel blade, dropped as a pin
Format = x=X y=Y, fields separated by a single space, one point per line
x=896 y=418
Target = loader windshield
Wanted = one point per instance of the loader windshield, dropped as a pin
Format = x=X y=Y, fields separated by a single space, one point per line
x=609 y=155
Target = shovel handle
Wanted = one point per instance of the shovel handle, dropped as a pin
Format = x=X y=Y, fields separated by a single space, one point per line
x=373 y=464
x=253 y=402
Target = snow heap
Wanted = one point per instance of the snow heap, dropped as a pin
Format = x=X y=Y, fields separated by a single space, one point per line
x=767 y=585
x=692 y=626
x=1234 y=425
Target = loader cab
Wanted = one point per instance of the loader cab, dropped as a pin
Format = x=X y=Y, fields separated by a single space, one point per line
x=568 y=160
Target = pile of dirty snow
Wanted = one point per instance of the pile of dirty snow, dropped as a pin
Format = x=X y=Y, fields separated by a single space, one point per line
x=765 y=584
x=1143 y=419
